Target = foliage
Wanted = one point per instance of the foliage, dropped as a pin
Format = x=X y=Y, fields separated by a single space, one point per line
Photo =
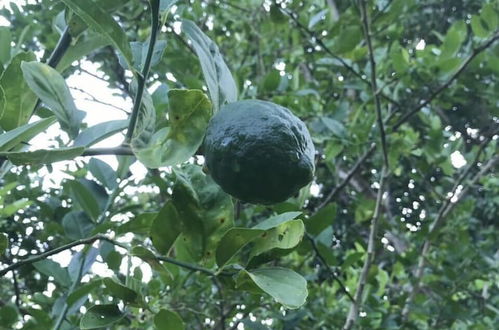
x=391 y=234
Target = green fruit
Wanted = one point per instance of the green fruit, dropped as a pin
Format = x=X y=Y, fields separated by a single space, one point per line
x=259 y=152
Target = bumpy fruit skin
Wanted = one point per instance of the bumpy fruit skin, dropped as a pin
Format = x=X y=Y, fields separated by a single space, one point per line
x=259 y=152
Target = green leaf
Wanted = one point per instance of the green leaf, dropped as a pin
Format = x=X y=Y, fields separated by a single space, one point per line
x=120 y=291
x=347 y=40
x=400 y=58
x=489 y=16
x=317 y=18
x=160 y=99
x=52 y=268
x=149 y=257
x=189 y=114
x=285 y=236
x=77 y=225
x=83 y=291
x=8 y=315
x=141 y=224
x=271 y=81
x=233 y=241
x=5 y=41
x=99 y=132
x=51 y=88
x=166 y=4
x=276 y=15
x=139 y=51
x=168 y=320
x=85 y=198
x=477 y=27
x=85 y=45
x=219 y=80
x=165 y=228
x=284 y=285
x=100 y=316
x=7 y=210
x=454 y=38
x=12 y=138
x=43 y=156
x=4 y=242
x=103 y=172
x=144 y=134
x=321 y=220
x=76 y=269
x=205 y=210
x=276 y=220
x=102 y=22
x=20 y=100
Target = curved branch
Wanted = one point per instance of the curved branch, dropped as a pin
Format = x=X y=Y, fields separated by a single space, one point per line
x=41 y=256
x=331 y=273
x=91 y=240
x=445 y=85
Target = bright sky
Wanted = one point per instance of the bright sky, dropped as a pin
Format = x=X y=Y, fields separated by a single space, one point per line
x=95 y=113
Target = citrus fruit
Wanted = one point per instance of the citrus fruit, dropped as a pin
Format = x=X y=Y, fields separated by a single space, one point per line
x=258 y=151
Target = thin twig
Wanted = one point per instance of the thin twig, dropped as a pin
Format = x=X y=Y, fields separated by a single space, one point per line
x=96 y=76
x=347 y=178
x=445 y=85
x=330 y=271
x=370 y=255
x=142 y=78
x=373 y=231
x=321 y=43
x=181 y=39
x=374 y=85
x=92 y=98
x=401 y=121
x=76 y=281
x=185 y=265
x=446 y=207
x=91 y=240
x=16 y=290
x=49 y=253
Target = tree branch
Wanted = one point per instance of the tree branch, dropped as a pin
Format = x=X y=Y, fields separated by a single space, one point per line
x=329 y=270
x=445 y=85
x=49 y=253
x=444 y=210
x=373 y=232
x=374 y=86
x=91 y=240
x=142 y=78
x=401 y=121
x=321 y=43
x=92 y=98
x=16 y=290
x=76 y=281
x=370 y=255
x=347 y=178
x=185 y=265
